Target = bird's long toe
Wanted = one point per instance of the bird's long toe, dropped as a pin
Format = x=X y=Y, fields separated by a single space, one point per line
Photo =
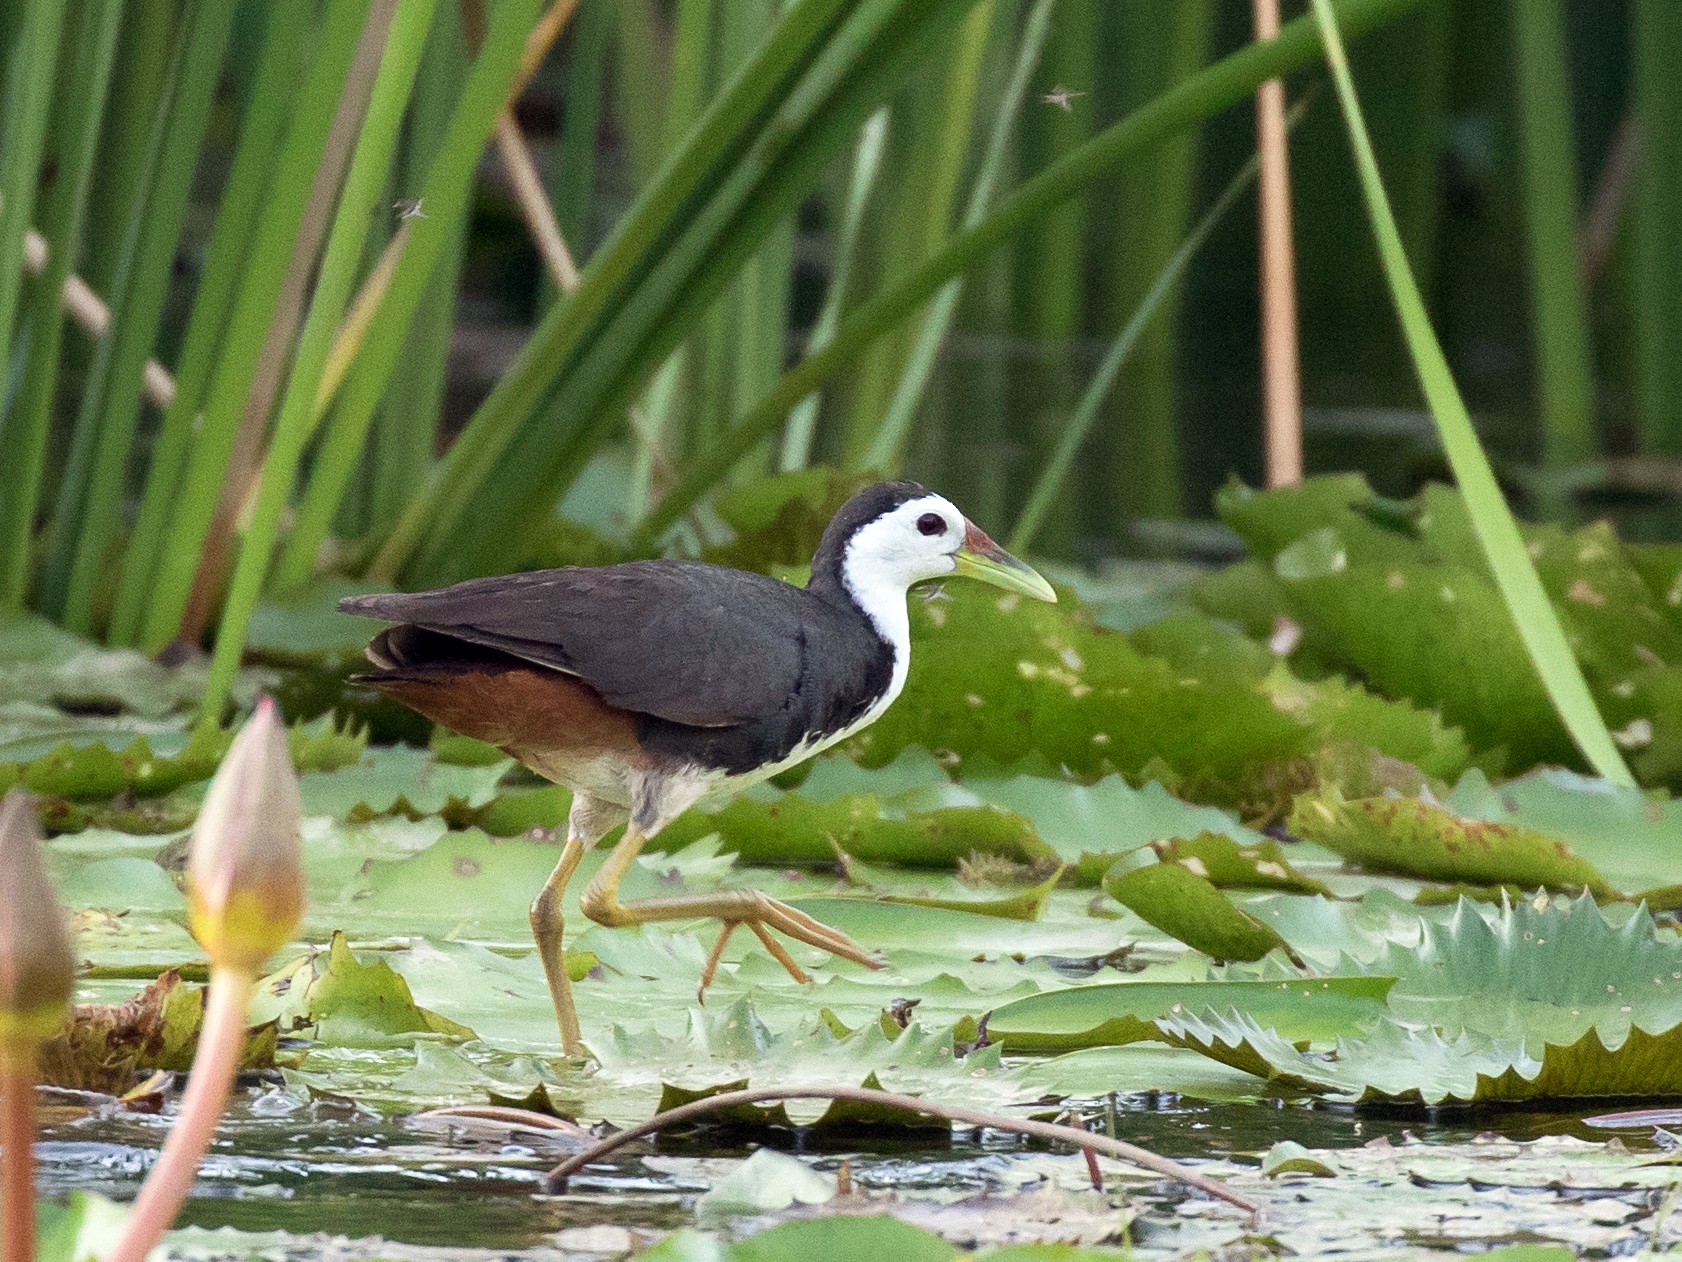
x=803 y=928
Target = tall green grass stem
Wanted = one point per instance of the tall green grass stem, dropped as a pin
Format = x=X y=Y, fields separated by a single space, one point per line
x=753 y=155
x=24 y=429
x=280 y=66
x=1227 y=82
x=251 y=317
x=1656 y=262
x=395 y=34
x=934 y=118
x=1056 y=472
x=1537 y=621
x=445 y=197
x=889 y=440
x=1547 y=166
x=867 y=162
x=28 y=105
x=85 y=520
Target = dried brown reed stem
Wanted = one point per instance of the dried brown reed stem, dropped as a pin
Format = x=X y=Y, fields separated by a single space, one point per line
x=89 y=311
x=1613 y=192
x=556 y=1179
x=534 y=203
x=1281 y=374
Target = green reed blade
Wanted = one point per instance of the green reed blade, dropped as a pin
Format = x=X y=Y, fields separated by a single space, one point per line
x=72 y=144
x=690 y=174
x=1656 y=271
x=1538 y=623
x=25 y=110
x=890 y=437
x=444 y=197
x=928 y=145
x=401 y=25
x=85 y=521
x=1154 y=197
x=1229 y=81
x=869 y=56
x=867 y=161
x=1559 y=316
x=250 y=319
x=1052 y=478
x=280 y=67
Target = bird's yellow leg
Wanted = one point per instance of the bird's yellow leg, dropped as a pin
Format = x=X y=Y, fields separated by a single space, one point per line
x=547 y=928
x=600 y=902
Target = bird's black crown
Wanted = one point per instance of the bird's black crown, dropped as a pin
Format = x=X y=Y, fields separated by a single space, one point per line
x=864 y=507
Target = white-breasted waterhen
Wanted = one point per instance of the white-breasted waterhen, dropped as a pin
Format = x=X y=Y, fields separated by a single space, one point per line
x=646 y=686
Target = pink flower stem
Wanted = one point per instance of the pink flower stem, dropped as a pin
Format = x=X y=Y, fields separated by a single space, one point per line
x=221 y=1041
x=17 y=1139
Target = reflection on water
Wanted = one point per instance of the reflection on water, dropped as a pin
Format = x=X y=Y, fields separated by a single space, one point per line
x=284 y=1164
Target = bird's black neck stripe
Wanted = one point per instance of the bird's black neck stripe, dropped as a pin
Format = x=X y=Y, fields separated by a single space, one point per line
x=829 y=579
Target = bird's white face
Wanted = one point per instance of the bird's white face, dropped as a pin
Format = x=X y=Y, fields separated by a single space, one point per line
x=916 y=541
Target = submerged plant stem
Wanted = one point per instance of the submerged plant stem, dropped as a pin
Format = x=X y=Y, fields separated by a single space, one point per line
x=556 y=1179
x=221 y=1040
x=17 y=1158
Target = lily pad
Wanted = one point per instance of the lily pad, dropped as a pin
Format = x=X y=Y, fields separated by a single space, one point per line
x=1399 y=1064
x=1182 y=903
x=1419 y=838
x=1125 y=1012
x=333 y=996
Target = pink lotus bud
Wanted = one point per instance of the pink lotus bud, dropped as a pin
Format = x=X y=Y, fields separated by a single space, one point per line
x=37 y=969
x=245 y=871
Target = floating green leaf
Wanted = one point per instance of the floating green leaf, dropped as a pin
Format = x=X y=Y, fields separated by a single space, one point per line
x=795 y=830
x=336 y=998
x=1123 y=1012
x=1175 y=898
x=1419 y=838
x=1290 y=1157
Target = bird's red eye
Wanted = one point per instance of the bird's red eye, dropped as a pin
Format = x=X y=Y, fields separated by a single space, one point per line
x=931 y=524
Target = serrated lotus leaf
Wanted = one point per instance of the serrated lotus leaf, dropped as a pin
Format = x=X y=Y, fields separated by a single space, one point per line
x=1270 y=520
x=1660 y=567
x=1398 y=1064
x=1124 y=1012
x=396 y=778
x=1441 y=636
x=793 y=829
x=1388 y=1061
x=39 y=660
x=1345 y=714
x=996 y=677
x=1027 y=904
x=1413 y=837
x=1198 y=645
x=1633 y=838
x=1613 y=610
x=1540 y=970
x=1228 y=865
x=105 y=1047
x=767 y=1181
x=1109 y=816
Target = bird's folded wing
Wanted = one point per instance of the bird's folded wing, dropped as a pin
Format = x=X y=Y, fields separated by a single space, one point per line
x=690 y=643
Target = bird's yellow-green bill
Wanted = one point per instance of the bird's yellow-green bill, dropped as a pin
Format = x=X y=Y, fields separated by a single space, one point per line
x=981 y=558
